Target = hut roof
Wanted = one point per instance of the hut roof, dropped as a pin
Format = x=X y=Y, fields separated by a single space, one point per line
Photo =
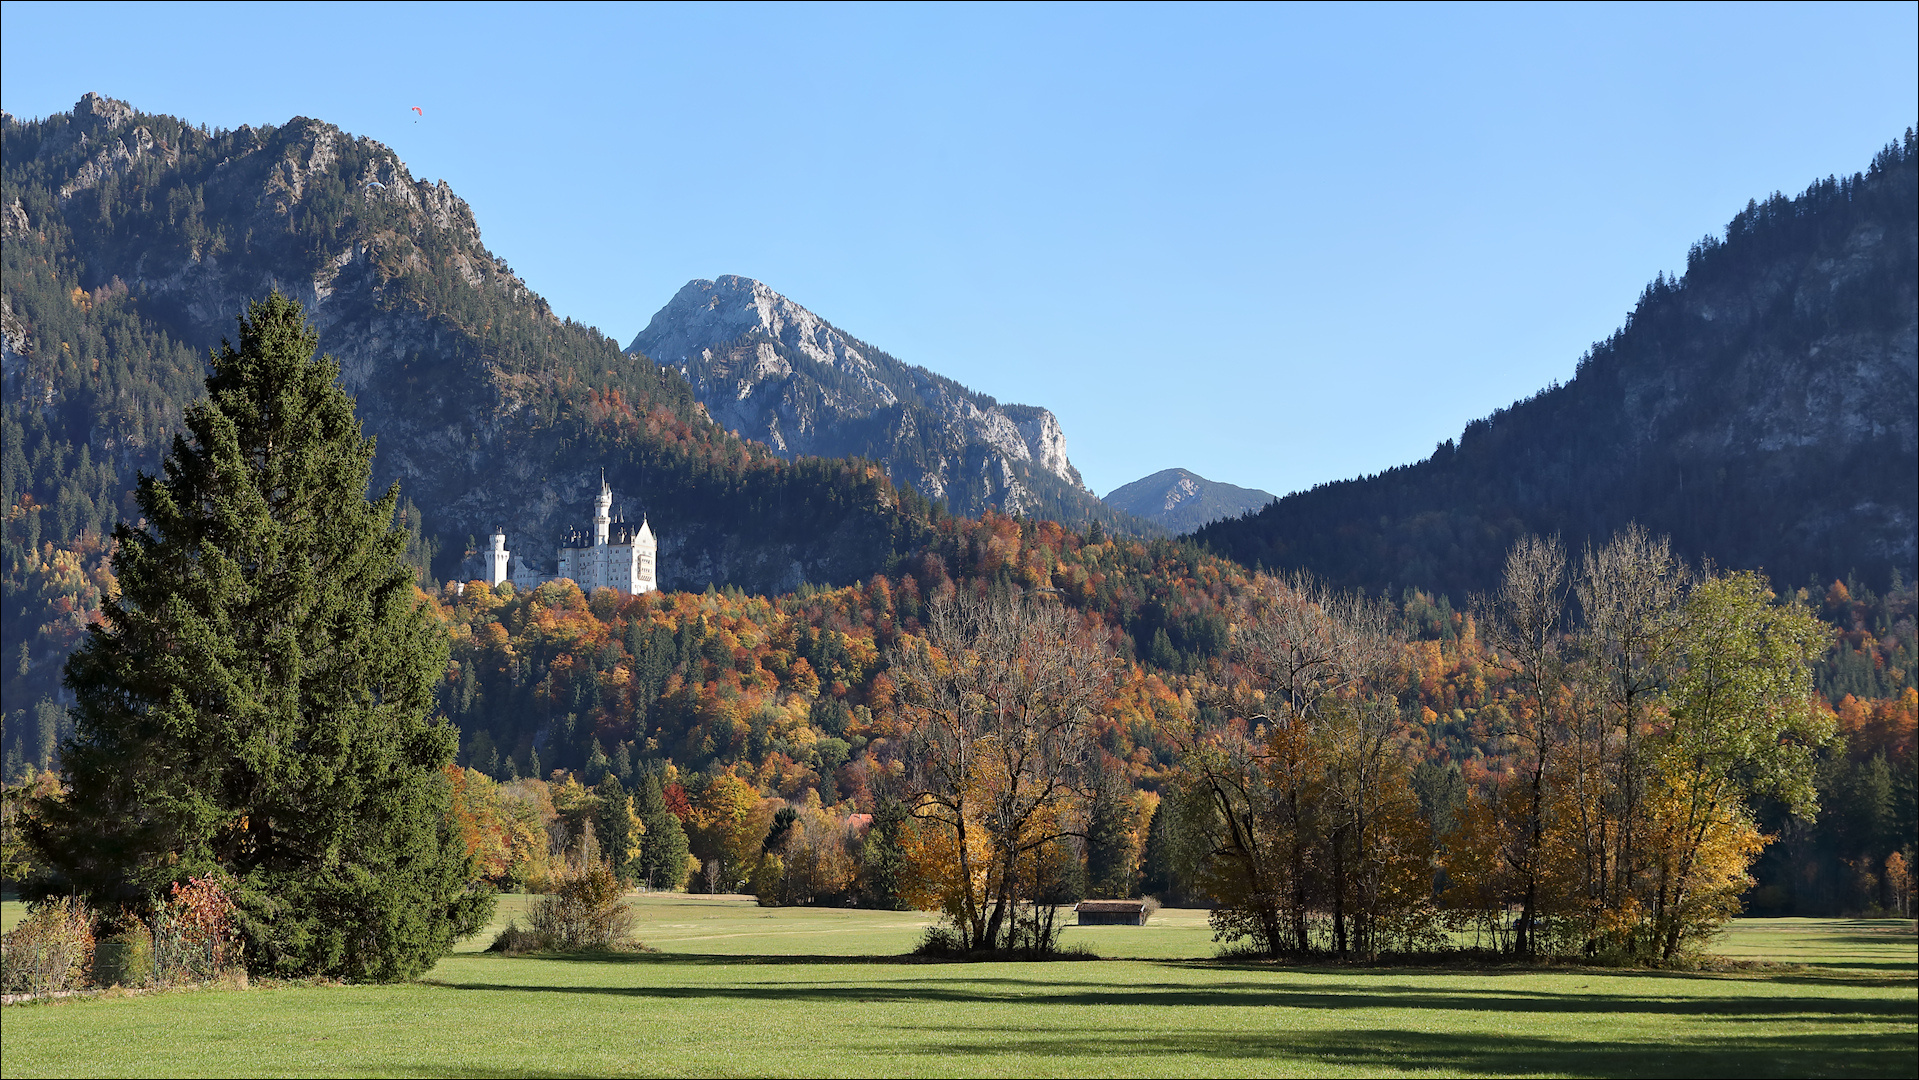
x=1113 y=907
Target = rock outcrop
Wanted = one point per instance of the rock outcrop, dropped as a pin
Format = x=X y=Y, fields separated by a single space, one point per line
x=771 y=370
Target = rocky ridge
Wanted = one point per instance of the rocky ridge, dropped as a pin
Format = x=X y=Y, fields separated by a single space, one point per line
x=771 y=370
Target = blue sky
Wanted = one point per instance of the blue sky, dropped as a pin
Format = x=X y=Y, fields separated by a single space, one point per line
x=1273 y=245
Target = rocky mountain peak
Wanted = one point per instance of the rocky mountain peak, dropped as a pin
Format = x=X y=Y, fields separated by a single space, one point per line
x=771 y=370
x=95 y=112
x=705 y=314
x=1182 y=501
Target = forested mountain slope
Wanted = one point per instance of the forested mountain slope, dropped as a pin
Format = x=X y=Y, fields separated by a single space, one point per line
x=487 y=407
x=132 y=241
x=771 y=370
x=1760 y=409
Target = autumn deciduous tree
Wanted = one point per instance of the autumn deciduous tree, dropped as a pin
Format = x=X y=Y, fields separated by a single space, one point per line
x=1308 y=804
x=1629 y=591
x=999 y=694
x=1742 y=723
x=728 y=828
x=1647 y=733
x=1525 y=625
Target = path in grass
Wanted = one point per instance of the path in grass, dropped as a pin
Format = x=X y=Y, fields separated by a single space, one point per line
x=739 y=990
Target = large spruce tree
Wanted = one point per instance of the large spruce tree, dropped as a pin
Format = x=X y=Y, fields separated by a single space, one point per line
x=257 y=703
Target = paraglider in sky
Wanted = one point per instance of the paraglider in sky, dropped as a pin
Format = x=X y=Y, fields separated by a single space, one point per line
x=417 y=114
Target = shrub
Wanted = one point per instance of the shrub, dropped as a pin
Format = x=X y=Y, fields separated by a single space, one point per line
x=941 y=943
x=1152 y=908
x=586 y=911
x=516 y=939
x=125 y=958
x=50 y=951
x=193 y=934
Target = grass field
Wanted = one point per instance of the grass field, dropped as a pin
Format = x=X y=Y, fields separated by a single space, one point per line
x=739 y=990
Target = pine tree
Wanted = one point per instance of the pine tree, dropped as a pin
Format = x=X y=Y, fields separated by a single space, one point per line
x=882 y=858
x=663 y=847
x=1112 y=871
x=256 y=704
x=620 y=828
x=1167 y=864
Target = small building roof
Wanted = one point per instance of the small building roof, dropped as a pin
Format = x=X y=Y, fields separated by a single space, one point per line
x=1113 y=907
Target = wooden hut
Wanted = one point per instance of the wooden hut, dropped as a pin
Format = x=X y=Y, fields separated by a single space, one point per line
x=1111 y=912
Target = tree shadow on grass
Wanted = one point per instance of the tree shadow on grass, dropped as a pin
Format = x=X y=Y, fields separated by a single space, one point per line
x=1379 y=1050
x=1792 y=974
x=1386 y=1050
x=985 y=989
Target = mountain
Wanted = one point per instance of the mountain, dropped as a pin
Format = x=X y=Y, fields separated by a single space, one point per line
x=770 y=370
x=1183 y=501
x=1760 y=409
x=133 y=239
x=489 y=409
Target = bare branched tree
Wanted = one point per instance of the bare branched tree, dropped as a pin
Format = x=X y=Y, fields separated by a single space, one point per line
x=1630 y=592
x=1000 y=694
x=1524 y=622
x=1301 y=653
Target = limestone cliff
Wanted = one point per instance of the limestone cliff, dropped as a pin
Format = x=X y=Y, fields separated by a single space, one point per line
x=771 y=370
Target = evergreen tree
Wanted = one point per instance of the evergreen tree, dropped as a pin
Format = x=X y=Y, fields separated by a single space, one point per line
x=255 y=704
x=1112 y=870
x=882 y=859
x=1169 y=864
x=663 y=847
x=619 y=827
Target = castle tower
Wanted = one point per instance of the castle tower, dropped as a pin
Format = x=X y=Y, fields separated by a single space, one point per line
x=646 y=574
x=602 y=512
x=496 y=559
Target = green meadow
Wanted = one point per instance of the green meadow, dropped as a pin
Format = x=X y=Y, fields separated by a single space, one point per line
x=735 y=989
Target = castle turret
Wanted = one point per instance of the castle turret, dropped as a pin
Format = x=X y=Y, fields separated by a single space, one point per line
x=496 y=559
x=602 y=512
x=646 y=572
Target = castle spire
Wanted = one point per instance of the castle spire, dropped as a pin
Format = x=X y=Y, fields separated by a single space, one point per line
x=602 y=512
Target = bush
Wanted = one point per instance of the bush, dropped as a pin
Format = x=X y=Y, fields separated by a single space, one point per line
x=586 y=911
x=516 y=939
x=50 y=951
x=194 y=940
x=941 y=943
x=125 y=958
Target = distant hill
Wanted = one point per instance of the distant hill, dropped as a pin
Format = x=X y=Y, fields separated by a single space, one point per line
x=1183 y=501
x=1760 y=409
x=771 y=370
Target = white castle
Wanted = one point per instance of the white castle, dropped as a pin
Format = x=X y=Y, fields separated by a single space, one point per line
x=617 y=556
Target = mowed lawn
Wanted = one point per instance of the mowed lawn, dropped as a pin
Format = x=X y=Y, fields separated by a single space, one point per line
x=739 y=990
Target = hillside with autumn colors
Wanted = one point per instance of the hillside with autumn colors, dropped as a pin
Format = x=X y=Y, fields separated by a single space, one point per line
x=792 y=696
